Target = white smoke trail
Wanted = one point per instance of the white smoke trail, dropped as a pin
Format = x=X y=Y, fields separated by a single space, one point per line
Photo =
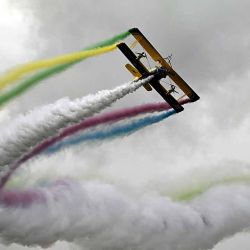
x=100 y=217
x=39 y=124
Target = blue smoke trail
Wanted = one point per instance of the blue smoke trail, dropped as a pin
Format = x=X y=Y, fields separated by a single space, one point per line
x=114 y=131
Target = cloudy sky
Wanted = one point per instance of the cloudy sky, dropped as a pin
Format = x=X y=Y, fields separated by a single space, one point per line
x=209 y=41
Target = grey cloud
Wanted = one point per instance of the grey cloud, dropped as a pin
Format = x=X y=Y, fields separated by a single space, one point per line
x=209 y=40
x=212 y=38
x=210 y=43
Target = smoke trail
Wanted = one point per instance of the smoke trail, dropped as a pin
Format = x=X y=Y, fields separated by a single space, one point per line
x=111 y=131
x=93 y=121
x=18 y=198
x=18 y=72
x=194 y=192
x=100 y=216
x=40 y=124
x=38 y=77
x=107 y=118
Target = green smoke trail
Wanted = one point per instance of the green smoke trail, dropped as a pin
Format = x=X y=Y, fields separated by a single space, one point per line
x=192 y=193
x=38 y=77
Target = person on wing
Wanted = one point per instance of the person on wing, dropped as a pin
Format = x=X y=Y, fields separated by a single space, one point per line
x=141 y=55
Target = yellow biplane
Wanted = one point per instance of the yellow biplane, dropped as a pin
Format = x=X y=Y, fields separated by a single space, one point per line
x=161 y=70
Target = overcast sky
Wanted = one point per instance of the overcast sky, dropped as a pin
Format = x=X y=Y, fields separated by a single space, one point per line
x=210 y=43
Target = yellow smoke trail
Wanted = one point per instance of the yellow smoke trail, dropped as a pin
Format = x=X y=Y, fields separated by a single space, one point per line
x=18 y=72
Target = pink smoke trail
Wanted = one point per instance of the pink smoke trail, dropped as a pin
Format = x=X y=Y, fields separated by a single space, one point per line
x=24 y=198
x=88 y=123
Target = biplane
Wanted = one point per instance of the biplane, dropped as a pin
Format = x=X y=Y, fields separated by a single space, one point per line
x=161 y=70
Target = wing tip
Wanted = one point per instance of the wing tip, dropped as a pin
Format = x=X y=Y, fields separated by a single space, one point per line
x=134 y=30
x=194 y=97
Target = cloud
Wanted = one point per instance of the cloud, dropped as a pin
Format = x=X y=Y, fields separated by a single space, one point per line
x=209 y=41
x=212 y=38
x=15 y=44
